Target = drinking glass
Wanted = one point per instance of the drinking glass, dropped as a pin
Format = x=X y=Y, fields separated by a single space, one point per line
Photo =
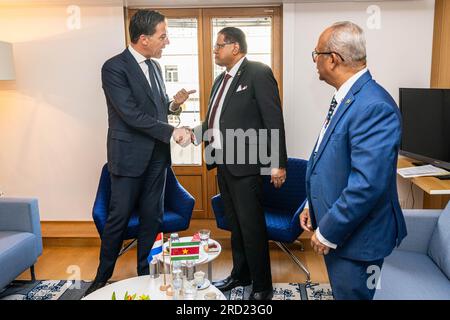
x=204 y=238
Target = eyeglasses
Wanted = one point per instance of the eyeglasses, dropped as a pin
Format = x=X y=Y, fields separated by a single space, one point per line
x=315 y=54
x=219 y=46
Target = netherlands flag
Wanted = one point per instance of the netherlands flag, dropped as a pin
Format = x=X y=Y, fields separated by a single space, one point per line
x=157 y=247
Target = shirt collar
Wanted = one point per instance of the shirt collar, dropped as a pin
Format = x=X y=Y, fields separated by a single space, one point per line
x=236 y=67
x=139 y=57
x=345 y=88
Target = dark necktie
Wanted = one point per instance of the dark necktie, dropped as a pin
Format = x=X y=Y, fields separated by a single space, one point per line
x=156 y=90
x=151 y=74
x=216 y=106
x=333 y=106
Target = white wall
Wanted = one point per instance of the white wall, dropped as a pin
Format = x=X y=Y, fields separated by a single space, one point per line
x=399 y=55
x=53 y=116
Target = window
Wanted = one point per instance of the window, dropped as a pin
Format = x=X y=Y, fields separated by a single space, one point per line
x=171 y=73
x=258 y=31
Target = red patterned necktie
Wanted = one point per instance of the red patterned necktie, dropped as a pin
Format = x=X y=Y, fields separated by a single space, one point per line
x=216 y=106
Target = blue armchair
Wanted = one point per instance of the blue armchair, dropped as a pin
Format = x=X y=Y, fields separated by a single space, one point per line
x=282 y=208
x=420 y=268
x=20 y=238
x=178 y=206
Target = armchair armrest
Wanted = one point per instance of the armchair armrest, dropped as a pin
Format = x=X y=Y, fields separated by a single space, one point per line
x=21 y=214
x=420 y=225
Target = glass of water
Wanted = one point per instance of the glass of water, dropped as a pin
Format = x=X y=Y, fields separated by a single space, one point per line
x=190 y=290
x=204 y=238
x=177 y=282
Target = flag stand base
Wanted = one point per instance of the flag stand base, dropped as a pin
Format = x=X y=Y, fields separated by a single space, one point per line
x=168 y=289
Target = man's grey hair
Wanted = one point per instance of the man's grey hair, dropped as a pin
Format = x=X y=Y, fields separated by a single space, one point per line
x=348 y=40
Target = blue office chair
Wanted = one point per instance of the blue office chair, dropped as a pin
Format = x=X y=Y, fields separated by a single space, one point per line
x=178 y=206
x=282 y=208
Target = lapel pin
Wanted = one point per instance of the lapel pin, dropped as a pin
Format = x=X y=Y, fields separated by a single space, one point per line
x=348 y=101
x=239 y=73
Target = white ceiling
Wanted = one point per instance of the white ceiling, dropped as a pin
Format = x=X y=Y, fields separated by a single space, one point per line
x=160 y=3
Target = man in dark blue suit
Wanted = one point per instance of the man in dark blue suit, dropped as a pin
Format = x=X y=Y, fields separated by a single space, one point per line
x=351 y=175
x=138 y=140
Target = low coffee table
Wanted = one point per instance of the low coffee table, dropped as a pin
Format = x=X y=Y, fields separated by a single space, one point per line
x=144 y=285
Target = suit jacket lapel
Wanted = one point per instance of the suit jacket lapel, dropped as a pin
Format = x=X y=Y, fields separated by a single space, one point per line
x=343 y=107
x=233 y=84
x=136 y=71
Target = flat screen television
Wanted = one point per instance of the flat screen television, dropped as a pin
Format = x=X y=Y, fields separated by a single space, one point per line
x=426 y=125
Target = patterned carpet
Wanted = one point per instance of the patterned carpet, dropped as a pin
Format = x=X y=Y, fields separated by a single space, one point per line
x=287 y=291
x=65 y=290
x=44 y=290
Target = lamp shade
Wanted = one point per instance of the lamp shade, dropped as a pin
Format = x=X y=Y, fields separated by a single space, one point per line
x=6 y=61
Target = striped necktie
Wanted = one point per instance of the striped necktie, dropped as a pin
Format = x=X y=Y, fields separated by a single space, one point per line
x=333 y=106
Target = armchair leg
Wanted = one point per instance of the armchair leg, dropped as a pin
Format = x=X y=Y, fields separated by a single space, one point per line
x=33 y=274
x=127 y=247
x=296 y=260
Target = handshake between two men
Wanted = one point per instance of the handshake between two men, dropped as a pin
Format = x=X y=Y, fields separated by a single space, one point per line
x=183 y=136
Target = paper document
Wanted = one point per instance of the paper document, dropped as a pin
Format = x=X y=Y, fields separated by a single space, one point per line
x=421 y=171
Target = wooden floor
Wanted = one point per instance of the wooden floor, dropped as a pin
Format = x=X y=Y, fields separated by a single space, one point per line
x=61 y=260
x=64 y=256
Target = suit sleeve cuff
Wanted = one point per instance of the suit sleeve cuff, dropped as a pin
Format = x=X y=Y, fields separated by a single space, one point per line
x=172 y=107
x=325 y=241
x=197 y=135
x=306 y=205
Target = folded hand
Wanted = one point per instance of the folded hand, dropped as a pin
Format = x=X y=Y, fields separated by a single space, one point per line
x=278 y=176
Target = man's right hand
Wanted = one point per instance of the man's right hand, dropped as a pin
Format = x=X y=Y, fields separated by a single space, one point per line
x=305 y=221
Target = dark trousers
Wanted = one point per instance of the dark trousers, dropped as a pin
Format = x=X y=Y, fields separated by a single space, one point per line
x=249 y=244
x=144 y=195
x=349 y=279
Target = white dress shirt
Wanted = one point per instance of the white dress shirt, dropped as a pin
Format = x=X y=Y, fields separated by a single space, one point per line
x=217 y=143
x=339 y=95
x=140 y=59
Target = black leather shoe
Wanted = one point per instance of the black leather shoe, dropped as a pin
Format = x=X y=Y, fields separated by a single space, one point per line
x=94 y=286
x=261 y=295
x=229 y=283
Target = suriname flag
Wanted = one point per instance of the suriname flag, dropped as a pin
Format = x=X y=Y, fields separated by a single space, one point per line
x=185 y=251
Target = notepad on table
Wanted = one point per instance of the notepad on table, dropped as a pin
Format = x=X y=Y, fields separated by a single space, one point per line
x=421 y=171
